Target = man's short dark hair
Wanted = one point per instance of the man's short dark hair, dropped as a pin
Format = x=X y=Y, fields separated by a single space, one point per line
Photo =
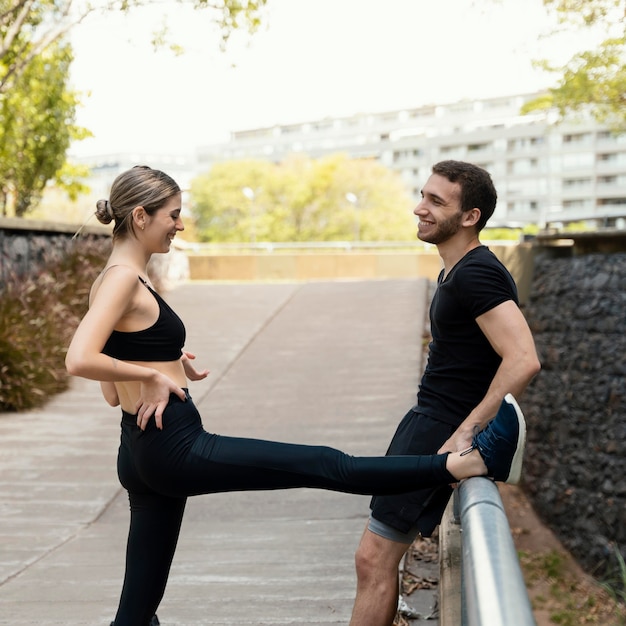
x=477 y=189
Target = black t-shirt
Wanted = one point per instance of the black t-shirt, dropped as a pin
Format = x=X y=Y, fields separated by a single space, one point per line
x=461 y=362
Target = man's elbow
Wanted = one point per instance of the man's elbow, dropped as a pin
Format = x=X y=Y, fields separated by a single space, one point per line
x=533 y=366
x=524 y=366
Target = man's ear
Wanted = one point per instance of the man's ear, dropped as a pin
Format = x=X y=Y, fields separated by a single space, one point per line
x=471 y=217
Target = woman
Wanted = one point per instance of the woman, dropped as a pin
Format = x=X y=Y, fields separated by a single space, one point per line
x=132 y=342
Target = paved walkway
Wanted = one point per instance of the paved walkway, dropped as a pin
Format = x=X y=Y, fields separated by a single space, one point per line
x=326 y=363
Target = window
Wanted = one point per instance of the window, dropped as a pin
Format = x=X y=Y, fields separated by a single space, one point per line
x=451 y=152
x=578 y=159
x=607 y=180
x=578 y=204
x=522 y=166
x=477 y=147
x=612 y=202
x=521 y=143
x=522 y=206
x=576 y=182
x=577 y=138
x=613 y=158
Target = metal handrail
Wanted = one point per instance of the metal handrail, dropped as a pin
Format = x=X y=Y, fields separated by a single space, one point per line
x=272 y=246
x=493 y=588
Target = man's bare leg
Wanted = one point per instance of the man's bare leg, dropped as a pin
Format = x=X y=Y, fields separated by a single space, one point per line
x=377 y=560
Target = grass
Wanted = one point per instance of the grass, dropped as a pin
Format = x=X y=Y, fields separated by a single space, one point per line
x=563 y=597
x=615 y=585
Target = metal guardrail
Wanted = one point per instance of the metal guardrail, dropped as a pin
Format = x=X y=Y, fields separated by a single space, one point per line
x=275 y=246
x=493 y=591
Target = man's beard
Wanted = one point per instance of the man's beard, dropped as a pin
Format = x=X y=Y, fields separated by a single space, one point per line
x=443 y=230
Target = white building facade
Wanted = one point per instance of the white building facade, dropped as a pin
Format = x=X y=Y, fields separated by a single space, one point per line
x=103 y=169
x=545 y=172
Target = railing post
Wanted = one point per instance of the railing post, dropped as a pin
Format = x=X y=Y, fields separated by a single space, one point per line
x=450 y=579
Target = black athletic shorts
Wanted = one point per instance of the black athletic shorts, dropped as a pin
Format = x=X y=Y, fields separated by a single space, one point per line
x=416 y=434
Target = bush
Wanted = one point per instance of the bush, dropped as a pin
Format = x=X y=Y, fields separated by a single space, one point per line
x=38 y=316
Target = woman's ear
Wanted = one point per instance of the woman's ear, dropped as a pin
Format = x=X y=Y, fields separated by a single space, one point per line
x=139 y=217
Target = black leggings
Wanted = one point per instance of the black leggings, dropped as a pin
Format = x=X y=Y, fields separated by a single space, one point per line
x=161 y=468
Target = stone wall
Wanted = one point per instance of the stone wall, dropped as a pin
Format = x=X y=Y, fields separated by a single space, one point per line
x=23 y=251
x=575 y=472
x=27 y=246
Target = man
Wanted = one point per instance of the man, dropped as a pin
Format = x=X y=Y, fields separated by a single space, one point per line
x=481 y=350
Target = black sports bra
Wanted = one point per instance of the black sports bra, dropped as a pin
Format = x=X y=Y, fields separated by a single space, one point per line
x=163 y=341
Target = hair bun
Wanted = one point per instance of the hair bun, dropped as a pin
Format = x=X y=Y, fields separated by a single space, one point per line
x=104 y=211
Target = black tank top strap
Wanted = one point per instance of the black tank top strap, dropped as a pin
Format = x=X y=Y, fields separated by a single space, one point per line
x=106 y=269
x=163 y=341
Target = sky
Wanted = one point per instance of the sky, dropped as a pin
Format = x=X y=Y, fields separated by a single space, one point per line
x=312 y=59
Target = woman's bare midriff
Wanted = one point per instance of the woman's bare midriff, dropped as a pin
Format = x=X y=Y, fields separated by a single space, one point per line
x=128 y=392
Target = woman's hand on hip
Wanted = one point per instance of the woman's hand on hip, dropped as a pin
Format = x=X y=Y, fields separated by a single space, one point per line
x=153 y=398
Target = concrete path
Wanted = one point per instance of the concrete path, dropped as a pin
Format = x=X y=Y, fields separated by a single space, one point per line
x=325 y=363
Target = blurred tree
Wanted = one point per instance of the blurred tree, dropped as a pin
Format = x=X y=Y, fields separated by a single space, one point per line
x=222 y=211
x=37 y=111
x=28 y=27
x=592 y=80
x=328 y=199
x=36 y=126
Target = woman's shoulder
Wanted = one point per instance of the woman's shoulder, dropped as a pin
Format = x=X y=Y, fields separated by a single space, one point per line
x=120 y=272
x=115 y=281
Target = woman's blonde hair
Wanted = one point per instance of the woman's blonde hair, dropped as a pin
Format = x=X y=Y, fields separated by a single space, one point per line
x=138 y=186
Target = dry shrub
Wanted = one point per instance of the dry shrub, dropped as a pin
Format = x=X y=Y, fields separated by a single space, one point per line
x=38 y=316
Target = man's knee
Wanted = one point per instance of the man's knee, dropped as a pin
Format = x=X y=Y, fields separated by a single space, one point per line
x=365 y=559
x=377 y=556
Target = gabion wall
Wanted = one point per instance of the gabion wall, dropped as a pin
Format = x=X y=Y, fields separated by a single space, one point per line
x=23 y=251
x=575 y=470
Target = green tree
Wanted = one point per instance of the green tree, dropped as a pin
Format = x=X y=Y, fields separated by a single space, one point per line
x=592 y=80
x=36 y=127
x=36 y=108
x=221 y=209
x=29 y=27
x=329 y=199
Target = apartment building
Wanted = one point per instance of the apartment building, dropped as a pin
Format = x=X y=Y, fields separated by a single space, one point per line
x=546 y=171
x=105 y=168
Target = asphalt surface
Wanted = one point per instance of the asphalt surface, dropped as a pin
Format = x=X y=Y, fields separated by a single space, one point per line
x=333 y=363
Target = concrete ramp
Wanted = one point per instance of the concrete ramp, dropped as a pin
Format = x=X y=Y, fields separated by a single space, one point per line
x=333 y=363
